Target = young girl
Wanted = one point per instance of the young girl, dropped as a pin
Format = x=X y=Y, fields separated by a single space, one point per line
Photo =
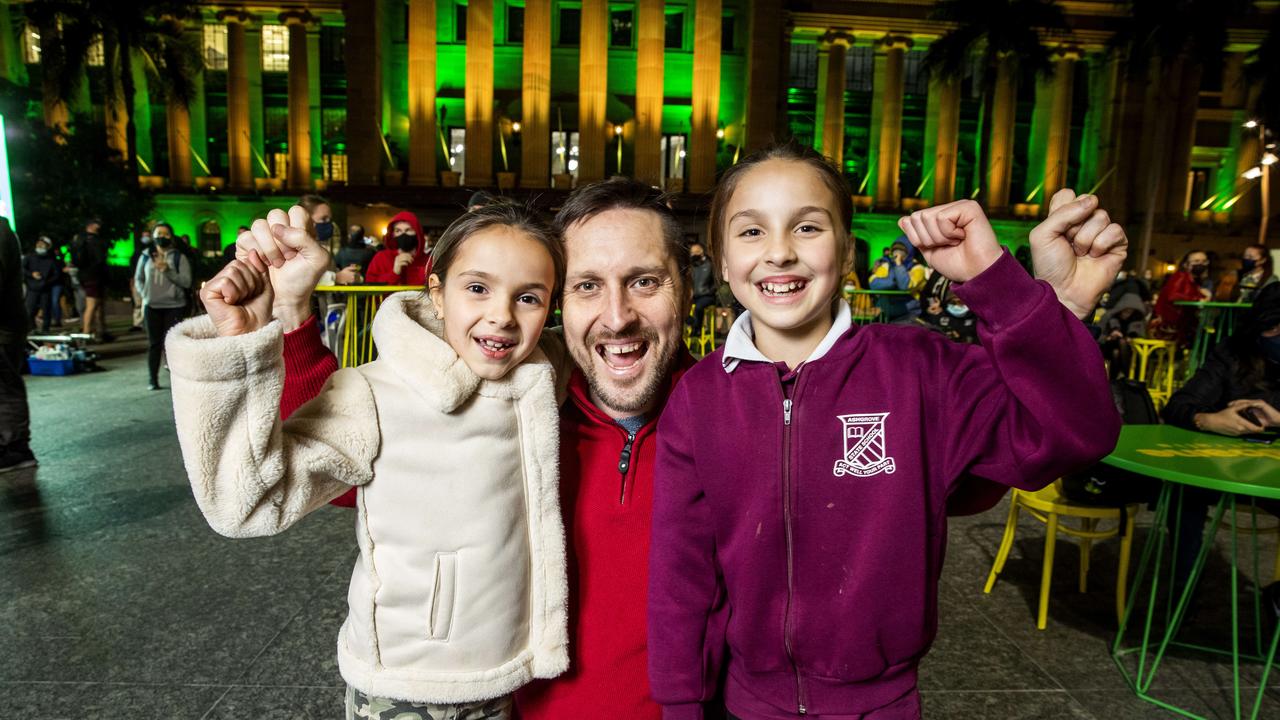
x=458 y=597
x=801 y=542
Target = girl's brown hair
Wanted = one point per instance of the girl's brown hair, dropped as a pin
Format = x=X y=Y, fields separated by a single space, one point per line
x=518 y=217
x=789 y=150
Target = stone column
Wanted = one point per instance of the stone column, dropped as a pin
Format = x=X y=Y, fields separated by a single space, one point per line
x=706 y=96
x=479 y=93
x=178 y=122
x=422 y=92
x=1178 y=177
x=890 y=153
x=239 y=155
x=764 y=74
x=593 y=91
x=947 y=95
x=364 y=92
x=649 y=70
x=299 y=175
x=535 y=146
x=1058 y=148
x=1000 y=156
x=836 y=42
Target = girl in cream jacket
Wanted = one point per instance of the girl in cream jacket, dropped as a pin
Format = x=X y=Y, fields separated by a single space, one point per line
x=459 y=592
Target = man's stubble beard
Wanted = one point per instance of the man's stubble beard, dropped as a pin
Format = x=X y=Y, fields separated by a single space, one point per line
x=647 y=390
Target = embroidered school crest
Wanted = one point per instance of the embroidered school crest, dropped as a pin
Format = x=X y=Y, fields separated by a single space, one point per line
x=864 y=446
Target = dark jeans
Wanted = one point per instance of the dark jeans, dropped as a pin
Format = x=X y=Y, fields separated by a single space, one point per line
x=158 y=321
x=38 y=300
x=15 y=419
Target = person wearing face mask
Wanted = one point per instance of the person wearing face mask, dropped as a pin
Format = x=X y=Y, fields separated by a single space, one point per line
x=899 y=271
x=321 y=215
x=704 y=284
x=403 y=259
x=1256 y=272
x=142 y=246
x=355 y=254
x=163 y=281
x=1174 y=322
x=43 y=272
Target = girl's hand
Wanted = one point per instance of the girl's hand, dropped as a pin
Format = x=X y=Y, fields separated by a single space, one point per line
x=238 y=299
x=285 y=247
x=1227 y=421
x=1078 y=250
x=956 y=239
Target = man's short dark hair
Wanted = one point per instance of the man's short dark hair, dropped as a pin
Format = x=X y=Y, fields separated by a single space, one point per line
x=626 y=194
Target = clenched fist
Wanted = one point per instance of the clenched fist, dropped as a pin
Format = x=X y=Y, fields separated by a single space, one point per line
x=238 y=299
x=1078 y=250
x=956 y=239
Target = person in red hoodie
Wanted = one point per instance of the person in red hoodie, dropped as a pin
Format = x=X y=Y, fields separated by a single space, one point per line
x=1175 y=322
x=404 y=258
x=626 y=294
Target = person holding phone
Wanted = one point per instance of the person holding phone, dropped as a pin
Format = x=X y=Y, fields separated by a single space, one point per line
x=1236 y=392
x=404 y=258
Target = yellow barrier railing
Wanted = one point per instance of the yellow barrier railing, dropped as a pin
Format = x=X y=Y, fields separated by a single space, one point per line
x=362 y=303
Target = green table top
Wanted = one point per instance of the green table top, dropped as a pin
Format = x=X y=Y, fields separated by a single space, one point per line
x=1215 y=462
x=1212 y=304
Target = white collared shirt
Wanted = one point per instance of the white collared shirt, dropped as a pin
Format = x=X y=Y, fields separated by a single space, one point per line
x=741 y=345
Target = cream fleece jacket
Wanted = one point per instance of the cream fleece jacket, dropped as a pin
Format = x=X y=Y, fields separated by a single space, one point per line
x=460 y=590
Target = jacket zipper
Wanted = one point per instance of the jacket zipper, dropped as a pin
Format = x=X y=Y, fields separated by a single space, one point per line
x=624 y=464
x=786 y=517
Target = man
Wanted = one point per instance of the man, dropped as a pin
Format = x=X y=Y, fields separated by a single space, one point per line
x=89 y=254
x=15 y=420
x=626 y=294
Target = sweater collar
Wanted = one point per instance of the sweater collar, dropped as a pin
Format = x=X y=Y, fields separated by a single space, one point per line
x=410 y=340
x=740 y=345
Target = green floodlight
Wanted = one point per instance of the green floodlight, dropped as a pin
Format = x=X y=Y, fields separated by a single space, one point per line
x=6 y=191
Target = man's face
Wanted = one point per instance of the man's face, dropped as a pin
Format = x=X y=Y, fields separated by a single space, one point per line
x=697 y=253
x=92 y=228
x=623 y=304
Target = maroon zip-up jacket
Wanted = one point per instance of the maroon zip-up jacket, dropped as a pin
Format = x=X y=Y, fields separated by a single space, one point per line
x=799 y=517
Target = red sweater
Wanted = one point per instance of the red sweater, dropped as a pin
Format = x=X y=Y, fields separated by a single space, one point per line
x=607 y=515
x=607 y=510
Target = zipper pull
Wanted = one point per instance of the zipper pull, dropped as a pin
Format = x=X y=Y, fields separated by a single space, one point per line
x=624 y=458
x=786 y=411
x=803 y=711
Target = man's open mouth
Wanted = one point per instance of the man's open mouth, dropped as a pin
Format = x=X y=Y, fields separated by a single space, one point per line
x=622 y=356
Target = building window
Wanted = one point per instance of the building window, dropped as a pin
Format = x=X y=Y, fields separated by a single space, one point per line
x=335 y=168
x=275 y=48
x=727 y=25
x=458 y=152
x=570 y=26
x=210 y=242
x=31 y=46
x=859 y=68
x=515 y=24
x=620 y=28
x=333 y=50
x=280 y=163
x=215 y=47
x=460 y=23
x=564 y=153
x=804 y=66
x=674 y=31
x=673 y=157
x=97 y=54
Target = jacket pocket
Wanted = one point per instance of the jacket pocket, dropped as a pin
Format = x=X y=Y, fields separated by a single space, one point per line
x=443 y=595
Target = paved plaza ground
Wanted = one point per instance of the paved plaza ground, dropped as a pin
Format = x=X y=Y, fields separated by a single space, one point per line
x=118 y=601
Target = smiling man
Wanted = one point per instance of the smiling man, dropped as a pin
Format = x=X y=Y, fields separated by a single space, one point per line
x=626 y=293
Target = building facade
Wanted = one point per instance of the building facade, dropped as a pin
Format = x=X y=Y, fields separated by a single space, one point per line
x=407 y=102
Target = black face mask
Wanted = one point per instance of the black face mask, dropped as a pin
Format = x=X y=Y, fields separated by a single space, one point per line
x=1199 y=270
x=324 y=231
x=407 y=242
x=164 y=242
x=699 y=259
x=1248 y=264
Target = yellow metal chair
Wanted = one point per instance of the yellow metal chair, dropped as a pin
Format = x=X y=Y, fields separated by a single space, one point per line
x=1048 y=505
x=1153 y=363
x=706 y=337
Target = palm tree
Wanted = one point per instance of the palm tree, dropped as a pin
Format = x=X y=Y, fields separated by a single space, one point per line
x=1165 y=45
x=146 y=31
x=1005 y=38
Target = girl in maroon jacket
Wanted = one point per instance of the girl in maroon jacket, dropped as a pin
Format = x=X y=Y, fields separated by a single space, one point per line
x=803 y=470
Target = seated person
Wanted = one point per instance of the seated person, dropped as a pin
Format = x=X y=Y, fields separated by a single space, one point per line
x=899 y=271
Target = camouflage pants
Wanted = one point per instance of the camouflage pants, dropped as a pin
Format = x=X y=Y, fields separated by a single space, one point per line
x=365 y=707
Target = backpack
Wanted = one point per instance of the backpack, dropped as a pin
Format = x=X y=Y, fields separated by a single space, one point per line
x=1107 y=486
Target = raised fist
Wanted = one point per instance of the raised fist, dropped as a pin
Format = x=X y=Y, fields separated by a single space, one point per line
x=285 y=247
x=1078 y=250
x=238 y=299
x=955 y=239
